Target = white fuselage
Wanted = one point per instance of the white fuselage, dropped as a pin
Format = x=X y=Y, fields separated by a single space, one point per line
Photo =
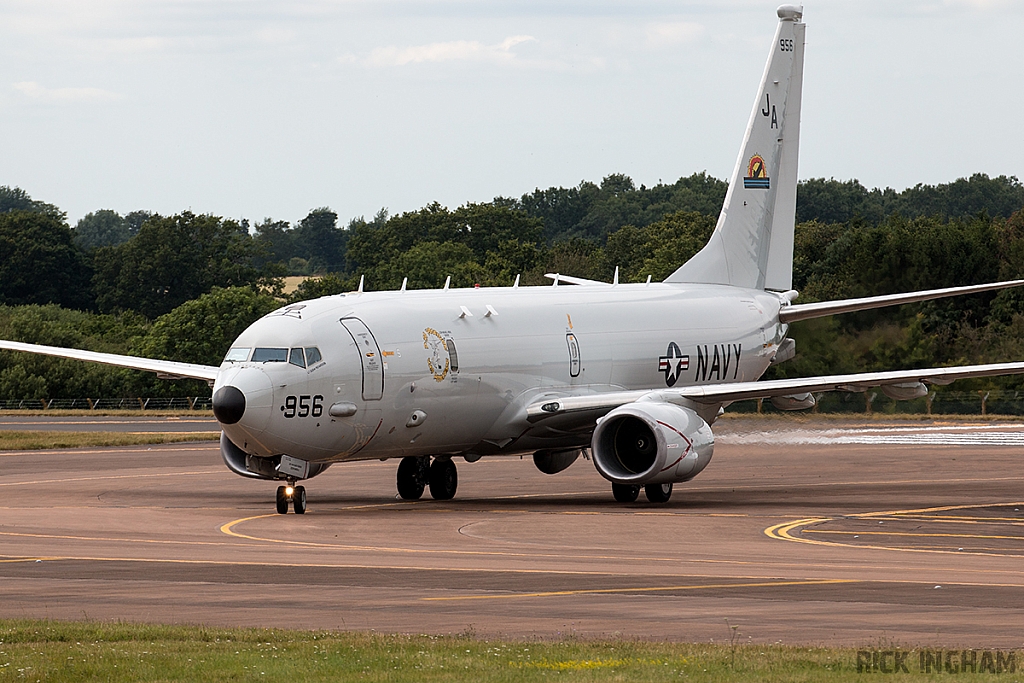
x=451 y=371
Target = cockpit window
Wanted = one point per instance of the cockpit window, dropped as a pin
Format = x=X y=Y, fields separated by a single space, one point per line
x=269 y=355
x=295 y=358
x=237 y=355
x=312 y=355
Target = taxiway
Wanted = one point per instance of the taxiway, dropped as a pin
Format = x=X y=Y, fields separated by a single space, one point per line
x=797 y=532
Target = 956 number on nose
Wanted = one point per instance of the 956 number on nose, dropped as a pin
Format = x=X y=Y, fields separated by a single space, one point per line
x=303 y=406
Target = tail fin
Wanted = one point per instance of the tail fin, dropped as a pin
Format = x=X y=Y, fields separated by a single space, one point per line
x=752 y=245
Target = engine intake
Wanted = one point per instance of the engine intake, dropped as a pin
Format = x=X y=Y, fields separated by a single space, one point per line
x=652 y=443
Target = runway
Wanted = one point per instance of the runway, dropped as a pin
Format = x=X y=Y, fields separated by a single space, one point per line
x=793 y=533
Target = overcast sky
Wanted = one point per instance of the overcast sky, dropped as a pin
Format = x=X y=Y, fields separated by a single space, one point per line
x=267 y=108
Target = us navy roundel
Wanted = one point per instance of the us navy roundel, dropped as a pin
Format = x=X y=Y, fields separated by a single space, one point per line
x=673 y=363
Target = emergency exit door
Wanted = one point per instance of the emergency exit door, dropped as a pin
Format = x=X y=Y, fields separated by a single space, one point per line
x=370 y=358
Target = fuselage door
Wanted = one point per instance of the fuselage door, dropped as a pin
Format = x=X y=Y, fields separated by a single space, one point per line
x=370 y=357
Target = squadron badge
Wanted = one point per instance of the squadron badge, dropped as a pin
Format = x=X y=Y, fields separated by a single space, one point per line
x=438 y=361
x=757 y=174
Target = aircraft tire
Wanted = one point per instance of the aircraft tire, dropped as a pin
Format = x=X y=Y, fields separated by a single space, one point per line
x=299 y=500
x=444 y=479
x=410 y=478
x=658 y=493
x=626 y=493
x=282 y=501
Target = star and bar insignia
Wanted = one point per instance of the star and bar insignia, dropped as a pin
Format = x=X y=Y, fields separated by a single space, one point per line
x=673 y=363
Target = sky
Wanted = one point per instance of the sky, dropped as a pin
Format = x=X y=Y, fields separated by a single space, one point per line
x=267 y=108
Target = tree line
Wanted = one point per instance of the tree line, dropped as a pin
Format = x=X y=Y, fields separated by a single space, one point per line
x=183 y=286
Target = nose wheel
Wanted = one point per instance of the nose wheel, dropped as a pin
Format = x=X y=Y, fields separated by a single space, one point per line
x=291 y=495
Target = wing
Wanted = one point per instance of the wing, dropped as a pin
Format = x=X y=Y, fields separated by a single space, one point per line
x=738 y=391
x=164 y=369
x=791 y=314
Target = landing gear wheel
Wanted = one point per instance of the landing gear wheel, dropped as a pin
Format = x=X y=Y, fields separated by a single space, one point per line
x=626 y=493
x=282 y=501
x=299 y=500
x=412 y=477
x=444 y=479
x=658 y=493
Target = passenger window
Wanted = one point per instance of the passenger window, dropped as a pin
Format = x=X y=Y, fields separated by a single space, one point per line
x=237 y=355
x=269 y=355
x=295 y=358
x=312 y=355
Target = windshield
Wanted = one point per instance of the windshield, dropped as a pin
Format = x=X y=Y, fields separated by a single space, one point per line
x=270 y=355
x=237 y=355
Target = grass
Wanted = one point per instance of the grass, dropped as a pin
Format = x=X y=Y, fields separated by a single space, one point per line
x=61 y=651
x=11 y=440
x=38 y=412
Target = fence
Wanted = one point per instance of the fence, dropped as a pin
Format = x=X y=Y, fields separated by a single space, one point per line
x=993 y=402
x=180 y=403
x=988 y=402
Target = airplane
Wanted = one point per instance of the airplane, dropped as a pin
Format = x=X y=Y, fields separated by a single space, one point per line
x=631 y=375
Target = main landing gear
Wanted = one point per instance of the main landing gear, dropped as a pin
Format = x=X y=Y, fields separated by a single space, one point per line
x=417 y=473
x=296 y=495
x=628 y=493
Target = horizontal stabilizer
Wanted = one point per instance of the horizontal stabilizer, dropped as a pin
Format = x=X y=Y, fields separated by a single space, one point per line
x=167 y=369
x=791 y=314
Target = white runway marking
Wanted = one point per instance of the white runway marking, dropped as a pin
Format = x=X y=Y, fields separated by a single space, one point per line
x=959 y=435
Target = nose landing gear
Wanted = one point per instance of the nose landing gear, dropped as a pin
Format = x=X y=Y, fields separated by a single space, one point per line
x=291 y=494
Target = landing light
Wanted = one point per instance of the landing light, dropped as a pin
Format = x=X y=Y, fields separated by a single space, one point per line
x=288 y=490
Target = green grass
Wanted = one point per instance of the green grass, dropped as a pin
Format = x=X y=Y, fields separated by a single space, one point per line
x=36 y=412
x=12 y=440
x=59 y=651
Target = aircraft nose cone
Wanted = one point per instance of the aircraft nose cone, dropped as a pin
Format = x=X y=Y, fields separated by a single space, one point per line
x=228 y=405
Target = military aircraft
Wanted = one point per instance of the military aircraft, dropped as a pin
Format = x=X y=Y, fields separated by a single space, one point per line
x=636 y=373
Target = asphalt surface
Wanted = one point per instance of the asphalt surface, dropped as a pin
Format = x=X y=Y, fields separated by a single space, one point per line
x=108 y=423
x=795 y=533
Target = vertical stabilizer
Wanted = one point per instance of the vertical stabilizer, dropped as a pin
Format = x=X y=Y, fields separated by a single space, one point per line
x=752 y=245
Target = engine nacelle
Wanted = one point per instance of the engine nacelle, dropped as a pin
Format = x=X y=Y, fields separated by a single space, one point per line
x=652 y=443
x=254 y=467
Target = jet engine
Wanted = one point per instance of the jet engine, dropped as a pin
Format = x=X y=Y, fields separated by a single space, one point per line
x=272 y=468
x=651 y=443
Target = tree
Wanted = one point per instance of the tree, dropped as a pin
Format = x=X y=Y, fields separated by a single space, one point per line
x=657 y=249
x=101 y=228
x=278 y=240
x=16 y=199
x=24 y=375
x=41 y=263
x=319 y=237
x=173 y=260
x=316 y=287
x=201 y=330
x=428 y=245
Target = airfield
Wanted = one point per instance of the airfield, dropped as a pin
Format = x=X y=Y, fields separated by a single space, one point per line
x=825 y=532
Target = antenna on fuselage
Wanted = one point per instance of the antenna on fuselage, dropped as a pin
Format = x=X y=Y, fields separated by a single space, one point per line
x=648 y=280
x=361 y=278
x=515 y=285
x=615 y=279
x=405 y=281
x=554 y=280
x=447 y=282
